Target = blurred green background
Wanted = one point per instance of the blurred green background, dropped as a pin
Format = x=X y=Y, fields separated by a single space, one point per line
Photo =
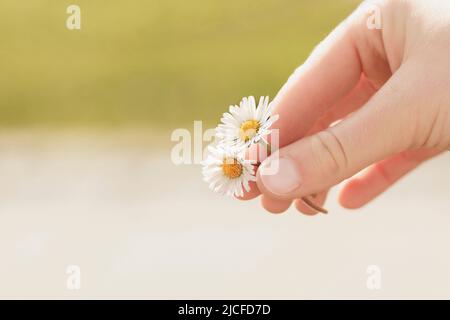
x=150 y=63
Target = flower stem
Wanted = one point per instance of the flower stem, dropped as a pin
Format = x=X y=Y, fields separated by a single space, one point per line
x=314 y=206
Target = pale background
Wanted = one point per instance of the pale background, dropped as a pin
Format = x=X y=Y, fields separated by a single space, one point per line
x=86 y=177
x=140 y=227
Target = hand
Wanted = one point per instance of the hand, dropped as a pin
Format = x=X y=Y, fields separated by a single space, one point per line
x=365 y=97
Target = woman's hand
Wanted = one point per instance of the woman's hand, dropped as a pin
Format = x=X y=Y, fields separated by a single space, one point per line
x=389 y=90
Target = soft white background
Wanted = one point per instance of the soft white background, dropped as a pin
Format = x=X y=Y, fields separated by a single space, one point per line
x=140 y=227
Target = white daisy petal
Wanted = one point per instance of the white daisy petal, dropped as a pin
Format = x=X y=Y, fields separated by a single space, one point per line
x=247 y=123
x=242 y=126
x=226 y=171
x=246 y=185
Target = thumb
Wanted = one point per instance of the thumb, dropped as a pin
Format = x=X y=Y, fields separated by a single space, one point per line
x=380 y=128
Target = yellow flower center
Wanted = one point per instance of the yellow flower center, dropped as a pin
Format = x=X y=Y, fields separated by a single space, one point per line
x=248 y=129
x=232 y=168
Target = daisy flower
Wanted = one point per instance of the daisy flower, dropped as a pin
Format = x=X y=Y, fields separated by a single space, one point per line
x=247 y=123
x=227 y=172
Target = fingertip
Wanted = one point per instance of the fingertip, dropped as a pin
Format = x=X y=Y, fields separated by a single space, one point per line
x=275 y=206
x=318 y=199
x=304 y=209
x=252 y=194
x=349 y=196
x=269 y=179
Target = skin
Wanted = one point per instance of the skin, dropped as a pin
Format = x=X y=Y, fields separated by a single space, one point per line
x=375 y=99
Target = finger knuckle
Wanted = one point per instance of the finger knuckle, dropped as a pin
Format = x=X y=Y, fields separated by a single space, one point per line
x=328 y=152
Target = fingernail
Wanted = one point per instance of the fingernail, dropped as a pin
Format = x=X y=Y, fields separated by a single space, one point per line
x=280 y=176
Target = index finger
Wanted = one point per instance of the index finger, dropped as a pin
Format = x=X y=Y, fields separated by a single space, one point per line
x=332 y=71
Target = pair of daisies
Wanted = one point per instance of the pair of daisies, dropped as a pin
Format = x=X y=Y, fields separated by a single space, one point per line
x=225 y=168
